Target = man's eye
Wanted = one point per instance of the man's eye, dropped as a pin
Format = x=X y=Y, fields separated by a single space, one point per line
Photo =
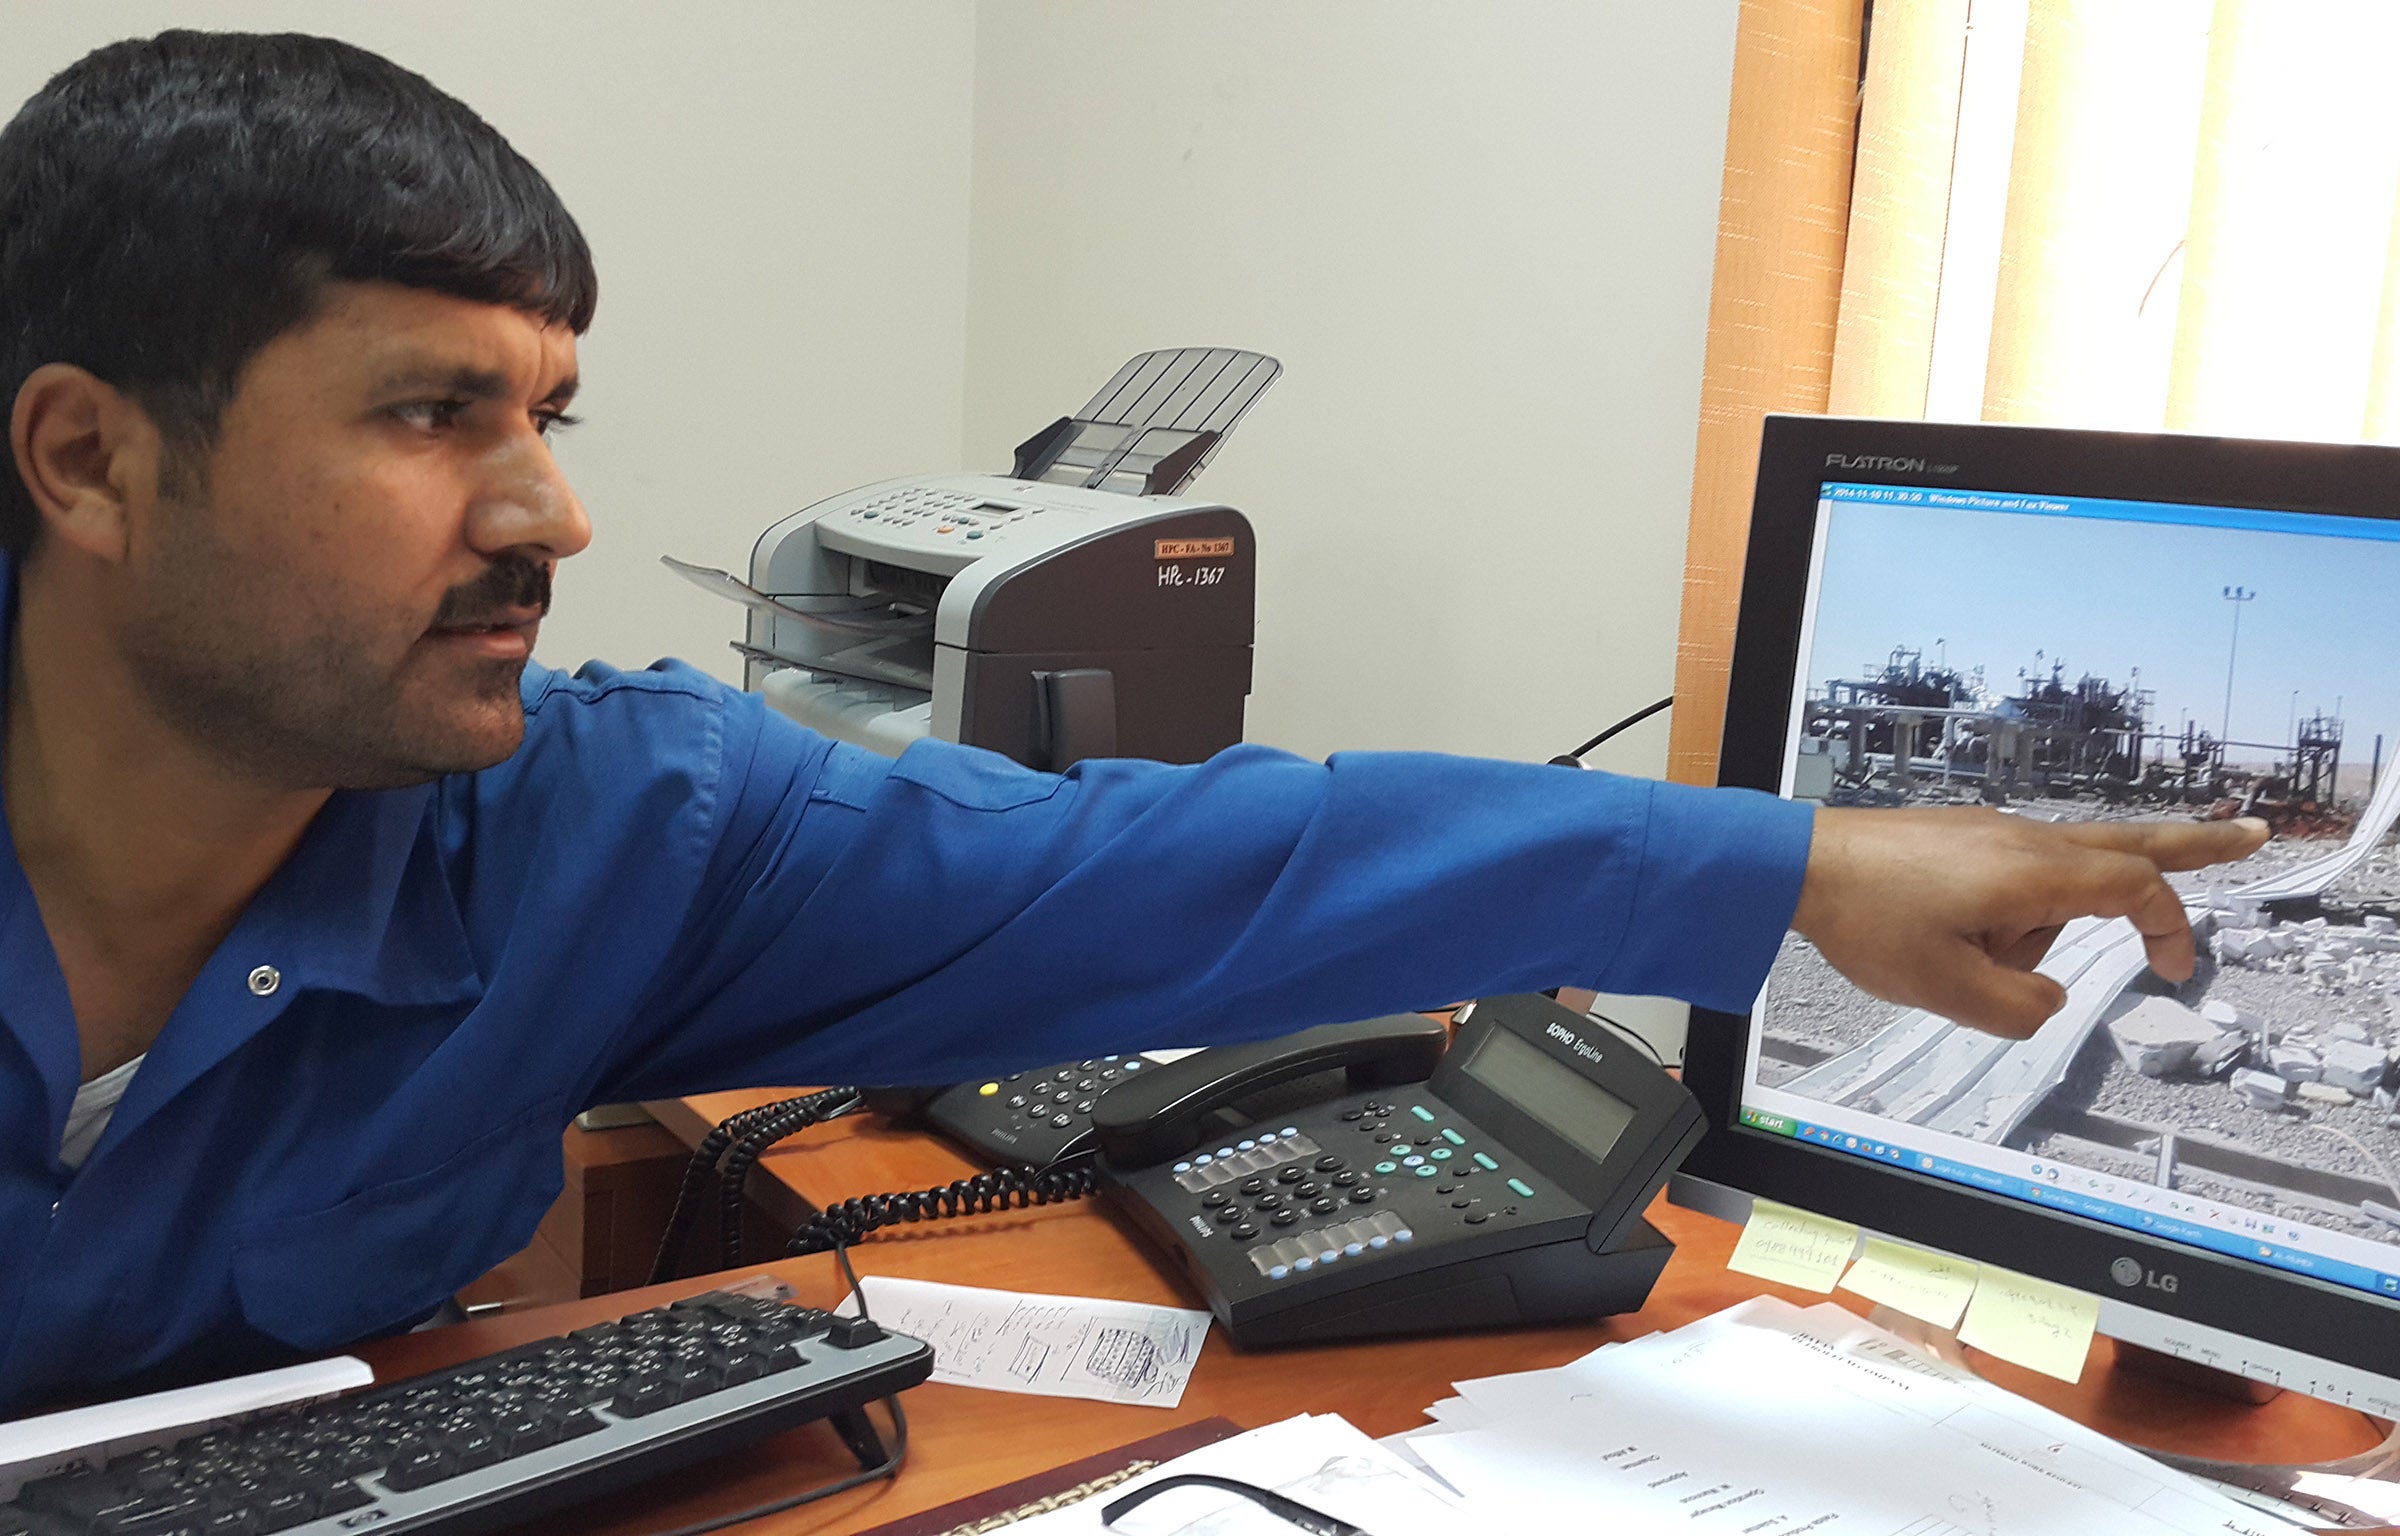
x=547 y=422
x=430 y=415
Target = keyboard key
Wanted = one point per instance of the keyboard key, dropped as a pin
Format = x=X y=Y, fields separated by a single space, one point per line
x=142 y=1516
x=479 y=1448
x=640 y=1397
x=286 y=1510
x=341 y=1498
x=247 y=1492
x=79 y=1497
x=417 y=1468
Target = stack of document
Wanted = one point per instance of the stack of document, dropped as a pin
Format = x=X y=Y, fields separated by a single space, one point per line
x=1770 y=1417
x=1763 y=1418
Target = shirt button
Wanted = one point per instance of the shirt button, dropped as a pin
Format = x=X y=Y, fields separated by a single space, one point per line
x=265 y=980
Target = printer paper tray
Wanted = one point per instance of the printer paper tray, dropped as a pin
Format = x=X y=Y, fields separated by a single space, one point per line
x=850 y=664
x=875 y=716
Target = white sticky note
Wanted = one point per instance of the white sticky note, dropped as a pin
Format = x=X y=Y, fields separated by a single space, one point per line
x=1793 y=1247
x=1927 y=1286
x=2040 y=1326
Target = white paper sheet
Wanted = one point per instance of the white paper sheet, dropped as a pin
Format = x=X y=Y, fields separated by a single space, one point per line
x=1767 y=1413
x=1051 y=1346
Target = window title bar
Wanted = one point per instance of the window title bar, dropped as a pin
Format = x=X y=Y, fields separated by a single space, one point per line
x=2022 y=503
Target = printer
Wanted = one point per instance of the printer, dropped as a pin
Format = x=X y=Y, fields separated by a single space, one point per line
x=1075 y=607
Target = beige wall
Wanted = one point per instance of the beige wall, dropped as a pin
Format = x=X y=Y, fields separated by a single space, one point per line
x=1479 y=238
x=776 y=194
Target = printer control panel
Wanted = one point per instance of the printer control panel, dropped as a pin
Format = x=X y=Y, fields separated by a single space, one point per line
x=922 y=519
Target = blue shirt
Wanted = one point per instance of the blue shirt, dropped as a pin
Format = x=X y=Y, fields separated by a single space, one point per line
x=668 y=890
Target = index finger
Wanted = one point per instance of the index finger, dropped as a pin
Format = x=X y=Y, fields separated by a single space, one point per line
x=2113 y=884
x=2171 y=844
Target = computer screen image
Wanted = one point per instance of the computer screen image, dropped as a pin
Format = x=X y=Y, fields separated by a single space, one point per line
x=2095 y=626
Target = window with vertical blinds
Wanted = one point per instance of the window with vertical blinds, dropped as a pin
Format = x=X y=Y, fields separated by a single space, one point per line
x=2135 y=214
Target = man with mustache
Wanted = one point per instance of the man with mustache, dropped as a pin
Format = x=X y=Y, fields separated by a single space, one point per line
x=322 y=909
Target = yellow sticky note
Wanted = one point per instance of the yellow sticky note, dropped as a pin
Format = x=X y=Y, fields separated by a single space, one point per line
x=1926 y=1286
x=2041 y=1326
x=1793 y=1247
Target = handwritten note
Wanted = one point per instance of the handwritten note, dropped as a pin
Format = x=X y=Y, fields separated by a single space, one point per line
x=2040 y=1326
x=1051 y=1346
x=1793 y=1247
x=1927 y=1286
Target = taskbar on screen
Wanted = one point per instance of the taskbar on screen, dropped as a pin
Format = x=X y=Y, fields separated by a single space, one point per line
x=2047 y=1185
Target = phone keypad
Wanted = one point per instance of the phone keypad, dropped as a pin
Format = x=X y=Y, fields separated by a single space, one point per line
x=1304 y=1251
x=1297 y=1191
x=1295 y=1206
x=1065 y=1095
x=1426 y=1149
x=1281 y=1150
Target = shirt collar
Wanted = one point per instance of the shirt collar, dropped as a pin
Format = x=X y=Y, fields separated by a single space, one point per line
x=364 y=906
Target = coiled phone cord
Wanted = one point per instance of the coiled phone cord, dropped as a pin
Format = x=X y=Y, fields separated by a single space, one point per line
x=767 y=1123
x=1006 y=1189
x=696 y=1171
x=733 y=1174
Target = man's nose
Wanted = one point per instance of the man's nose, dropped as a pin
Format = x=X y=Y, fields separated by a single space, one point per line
x=526 y=505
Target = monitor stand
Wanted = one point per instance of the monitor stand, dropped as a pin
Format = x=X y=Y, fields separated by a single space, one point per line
x=2347 y=1493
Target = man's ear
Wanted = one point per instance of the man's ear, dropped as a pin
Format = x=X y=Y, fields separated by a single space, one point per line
x=87 y=454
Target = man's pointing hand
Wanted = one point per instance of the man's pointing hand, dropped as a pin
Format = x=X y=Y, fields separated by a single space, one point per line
x=1950 y=910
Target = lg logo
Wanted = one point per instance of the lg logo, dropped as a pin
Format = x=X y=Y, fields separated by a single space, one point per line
x=2128 y=1272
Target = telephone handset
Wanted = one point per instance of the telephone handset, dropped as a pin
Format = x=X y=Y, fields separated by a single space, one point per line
x=1048 y=1116
x=1507 y=1189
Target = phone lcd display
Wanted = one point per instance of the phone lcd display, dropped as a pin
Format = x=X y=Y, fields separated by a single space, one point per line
x=1562 y=1100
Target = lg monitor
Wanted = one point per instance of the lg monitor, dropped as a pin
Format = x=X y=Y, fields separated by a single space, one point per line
x=2090 y=625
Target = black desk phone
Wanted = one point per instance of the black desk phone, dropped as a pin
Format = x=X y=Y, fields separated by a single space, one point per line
x=1043 y=1118
x=1499 y=1182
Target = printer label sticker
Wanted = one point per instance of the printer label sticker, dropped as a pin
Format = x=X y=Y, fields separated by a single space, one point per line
x=1194 y=549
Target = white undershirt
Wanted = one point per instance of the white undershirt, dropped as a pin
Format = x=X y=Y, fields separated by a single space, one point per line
x=95 y=1101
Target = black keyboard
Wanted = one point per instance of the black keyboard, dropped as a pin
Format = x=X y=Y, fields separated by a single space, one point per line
x=503 y=1438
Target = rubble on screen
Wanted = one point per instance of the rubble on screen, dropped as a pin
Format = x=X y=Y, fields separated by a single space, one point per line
x=2271 y=1065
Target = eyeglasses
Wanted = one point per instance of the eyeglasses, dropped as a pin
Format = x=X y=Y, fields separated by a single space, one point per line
x=1290 y=1510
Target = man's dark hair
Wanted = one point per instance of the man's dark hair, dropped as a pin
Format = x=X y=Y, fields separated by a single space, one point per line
x=170 y=205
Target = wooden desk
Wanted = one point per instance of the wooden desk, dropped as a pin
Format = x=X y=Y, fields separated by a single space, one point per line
x=601 y=1234
x=965 y=1441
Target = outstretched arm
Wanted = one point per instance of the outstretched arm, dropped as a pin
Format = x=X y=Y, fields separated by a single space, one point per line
x=1950 y=910
x=952 y=913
